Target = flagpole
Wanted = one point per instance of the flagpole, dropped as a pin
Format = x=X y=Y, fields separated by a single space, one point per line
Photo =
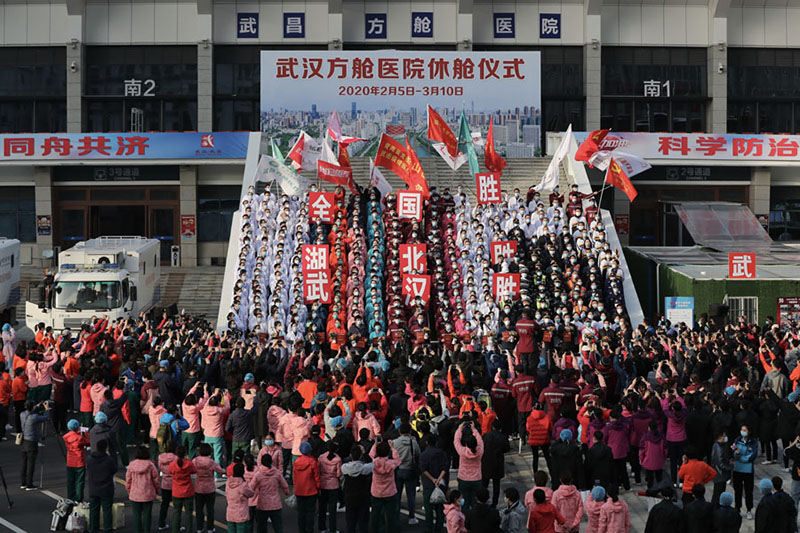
x=602 y=190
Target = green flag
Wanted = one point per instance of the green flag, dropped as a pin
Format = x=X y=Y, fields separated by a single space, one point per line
x=465 y=145
x=276 y=152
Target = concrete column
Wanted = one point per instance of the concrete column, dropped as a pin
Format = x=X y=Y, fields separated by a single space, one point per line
x=591 y=66
x=622 y=207
x=44 y=207
x=188 y=176
x=717 y=110
x=335 y=23
x=74 y=87
x=205 y=87
x=758 y=198
x=464 y=25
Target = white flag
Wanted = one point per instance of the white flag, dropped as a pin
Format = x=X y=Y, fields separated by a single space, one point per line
x=327 y=154
x=452 y=162
x=290 y=181
x=264 y=173
x=377 y=180
x=550 y=178
x=305 y=153
x=631 y=164
x=334 y=127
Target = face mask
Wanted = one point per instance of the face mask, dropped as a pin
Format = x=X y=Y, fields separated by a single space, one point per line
x=269 y=442
x=725 y=438
x=743 y=434
x=461 y=502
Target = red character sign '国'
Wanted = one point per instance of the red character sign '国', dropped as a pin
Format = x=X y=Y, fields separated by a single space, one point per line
x=409 y=205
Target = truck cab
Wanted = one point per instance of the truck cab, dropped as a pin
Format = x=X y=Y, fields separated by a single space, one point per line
x=113 y=276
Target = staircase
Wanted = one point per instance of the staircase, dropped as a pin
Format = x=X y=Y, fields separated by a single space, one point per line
x=521 y=173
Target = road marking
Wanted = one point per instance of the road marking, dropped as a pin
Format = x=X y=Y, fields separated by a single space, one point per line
x=51 y=494
x=11 y=526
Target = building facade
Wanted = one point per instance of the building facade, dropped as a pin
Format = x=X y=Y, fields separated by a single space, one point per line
x=87 y=66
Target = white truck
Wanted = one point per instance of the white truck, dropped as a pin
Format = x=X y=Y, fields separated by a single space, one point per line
x=113 y=276
x=9 y=279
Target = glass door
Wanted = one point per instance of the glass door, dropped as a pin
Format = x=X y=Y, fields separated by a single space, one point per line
x=162 y=227
x=73 y=226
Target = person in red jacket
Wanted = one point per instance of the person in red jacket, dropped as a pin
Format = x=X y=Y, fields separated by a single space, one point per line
x=19 y=391
x=544 y=515
x=182 y=489
x=305 y=473
x=5 y=399
x=526 y=328
x=523 y=390
x=539 y=429
x=75 y=441
x=552 y=397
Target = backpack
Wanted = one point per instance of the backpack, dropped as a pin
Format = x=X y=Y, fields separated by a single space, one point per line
x=163 y=436
x=482 y=396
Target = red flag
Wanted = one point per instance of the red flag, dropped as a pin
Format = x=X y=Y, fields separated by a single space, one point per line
x=590 y=145
x=617 y=177
x=416 y=177
x=438 y=130
x=334 y=127
x=344 y=157
x=492 y=160
x=333 y=173
x=393 y=156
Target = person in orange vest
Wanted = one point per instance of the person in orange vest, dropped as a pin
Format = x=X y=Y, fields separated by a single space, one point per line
x=307 y=388
x=5 y=398
x=694 y=472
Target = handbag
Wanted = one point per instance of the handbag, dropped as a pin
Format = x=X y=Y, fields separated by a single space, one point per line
x=437 y=496
x=291 y=501
x=19 y=438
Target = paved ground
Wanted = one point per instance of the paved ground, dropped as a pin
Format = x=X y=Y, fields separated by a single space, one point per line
x=31 y=510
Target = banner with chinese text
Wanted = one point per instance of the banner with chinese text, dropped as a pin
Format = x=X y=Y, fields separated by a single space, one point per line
x=376 y=92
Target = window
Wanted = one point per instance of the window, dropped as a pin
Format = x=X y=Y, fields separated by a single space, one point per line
x=215 y=207
x=33 y=89
x=140 y=88
x=18 y=213
x=746 y=306
x=653 y=89
x=237 y=99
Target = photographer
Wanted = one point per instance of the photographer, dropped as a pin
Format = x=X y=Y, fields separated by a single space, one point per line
x=31 y=419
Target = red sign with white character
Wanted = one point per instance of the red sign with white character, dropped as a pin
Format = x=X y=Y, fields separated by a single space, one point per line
x=503 y=249
x=416 y=287
x=317 y=286
x=413 y=258
x=741 y=266
x=315 y=257
x=504 y=285
x=487 y=187
x=409 y=205
x=320 y=207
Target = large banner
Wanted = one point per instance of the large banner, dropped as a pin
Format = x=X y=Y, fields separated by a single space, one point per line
x=122 y=146
x=387 y=91
x=702 y=146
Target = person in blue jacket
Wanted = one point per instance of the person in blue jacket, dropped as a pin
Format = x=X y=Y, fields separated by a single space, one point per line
x=745 y=451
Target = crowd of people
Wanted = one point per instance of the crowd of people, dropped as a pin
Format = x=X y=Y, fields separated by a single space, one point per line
x=349 y=405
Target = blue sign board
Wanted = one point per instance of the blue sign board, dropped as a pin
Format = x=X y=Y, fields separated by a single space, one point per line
x=123 y=146
x=294 y=25
x=550 y=25
x=247 y=25
x=679 y=309
x=504 y=26
x=375 y=26
x=422 y=24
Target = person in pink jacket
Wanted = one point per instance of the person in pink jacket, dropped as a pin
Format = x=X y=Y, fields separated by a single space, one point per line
x=205 y=490
x=614 y=514
x=40 y=381
x=155 y=412
x=567 y=500
x=98 y=394
x=593 y=506
x=454 y=517
x=653 y=454
x=212 y=421
x=272 y=449
x=469 y=445
x=540 y=479
x=237 y=495
x=296 y=429
x=266 y=483
x=385 y=514
x=191 y=413
x=365 y=419
x=141 y=482
x=164 y=460
x=330 y=472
